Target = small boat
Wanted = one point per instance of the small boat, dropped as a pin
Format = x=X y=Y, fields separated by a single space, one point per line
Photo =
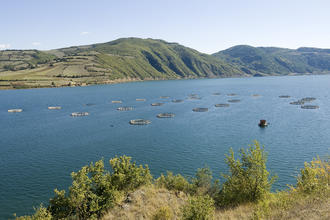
x=15 y=110
x=263 y=123
x=139 y=122
x=54 y=107
x=165 y=115
x=78 y=114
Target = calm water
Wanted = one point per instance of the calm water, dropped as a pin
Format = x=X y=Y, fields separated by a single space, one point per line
x=39 y=148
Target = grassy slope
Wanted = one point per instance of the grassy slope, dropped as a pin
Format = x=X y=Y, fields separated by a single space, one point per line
x=270 y=60
x=144 y=203
x=123 y=59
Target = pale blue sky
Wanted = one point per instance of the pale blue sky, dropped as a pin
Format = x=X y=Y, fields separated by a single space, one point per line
x=205 y=25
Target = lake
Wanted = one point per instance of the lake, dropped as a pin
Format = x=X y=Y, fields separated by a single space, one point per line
x=39 y=148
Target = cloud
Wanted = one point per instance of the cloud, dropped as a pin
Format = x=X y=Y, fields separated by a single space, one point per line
x=36 y=43
x=4 y=46
x=84 y=33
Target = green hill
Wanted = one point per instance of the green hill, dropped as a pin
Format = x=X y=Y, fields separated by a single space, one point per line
x=133 y=59
x=281 y=61
x=120 y=60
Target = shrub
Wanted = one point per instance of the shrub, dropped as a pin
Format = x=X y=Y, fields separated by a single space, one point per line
x=41 y=213
x=163 y=213
x=128 y=176
x=203 y=183
x=173 y=182
x=314 y=177
x=199 y=208
x=248 y=180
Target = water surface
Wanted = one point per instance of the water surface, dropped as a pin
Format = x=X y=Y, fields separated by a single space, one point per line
x=39 y=148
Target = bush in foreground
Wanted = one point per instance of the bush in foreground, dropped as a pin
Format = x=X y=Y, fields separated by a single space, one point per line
x=199 y=208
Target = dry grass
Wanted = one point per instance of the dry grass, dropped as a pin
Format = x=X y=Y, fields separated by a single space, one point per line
x=145 y=202
x=240 y=212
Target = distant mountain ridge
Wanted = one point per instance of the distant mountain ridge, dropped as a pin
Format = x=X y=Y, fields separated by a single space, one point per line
x=128 y=59
x=280 y=61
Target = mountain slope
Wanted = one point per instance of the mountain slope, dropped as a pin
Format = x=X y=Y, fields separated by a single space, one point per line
x=123 y=59
x=272 y=60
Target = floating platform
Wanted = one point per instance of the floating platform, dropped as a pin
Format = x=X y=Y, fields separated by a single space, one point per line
x=157 y=104
x=139 y=122
x=299 y=102
x=255 y=95
x=195 y=97
x=177 y=100
x=217 y=93
x=232 y=94
x=310 y=107
x=221 y=105
x=284 y=96
x=15 y=110
x=308 y=99
x=234 y=100
x=140 y=100
x=200 y=109
x=116 y=101
x=164 y=97
x=54 y=107
x=125 y=108
x=165 y=115
x=78 y=114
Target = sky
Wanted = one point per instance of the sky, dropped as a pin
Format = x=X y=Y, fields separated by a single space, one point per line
x=205 y=25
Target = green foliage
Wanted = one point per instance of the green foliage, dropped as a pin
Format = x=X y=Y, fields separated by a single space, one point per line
x=198 y=208
x=314 y=177
x=163 y=213
x=128 y=176
x=41 y=213
x=248 y=180
x=203 y=183
x=94 y=190
x=173 y=182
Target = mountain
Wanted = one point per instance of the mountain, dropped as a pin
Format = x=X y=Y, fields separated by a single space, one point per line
x=273 y=60
x=120 y=60
x=133 y=59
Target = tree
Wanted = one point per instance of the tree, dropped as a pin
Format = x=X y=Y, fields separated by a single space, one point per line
x=248 y=180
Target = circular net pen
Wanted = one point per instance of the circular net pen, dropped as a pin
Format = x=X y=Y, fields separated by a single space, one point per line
x=165 y=115
x=308 y=99
x=177 y=100
x=116 y=102
x=200 y=109
x=157 y=104
x=234 y=100
x=284 y=96
x=79 y=114
x=299 y=102
x=221 y=105
x=164 y=97
x=139 y=122
x=125 y=108
x=310 y=107
x=232 y=94
x=54 y=107
x=15 y=110
x=217 y=93
x=140 y=100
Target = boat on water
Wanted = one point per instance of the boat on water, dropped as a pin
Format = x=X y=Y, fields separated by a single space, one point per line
x=139 y=122
x=263 y=123
x=15 y=110
x=54 y=107
x=78 y=114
